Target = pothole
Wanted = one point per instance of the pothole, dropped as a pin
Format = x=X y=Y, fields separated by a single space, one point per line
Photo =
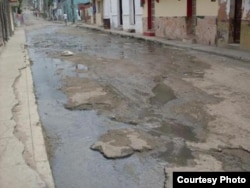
x=233 y=159
x=163 y=94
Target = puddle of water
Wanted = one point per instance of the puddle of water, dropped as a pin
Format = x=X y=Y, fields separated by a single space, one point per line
x=178 y=130
x=163 y=94
x=73 y=163
x=81 y=67
x=93 y=44
x=181 y=156
x=233 y=159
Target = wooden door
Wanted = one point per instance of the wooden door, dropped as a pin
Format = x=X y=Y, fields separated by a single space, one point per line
x=237 y=21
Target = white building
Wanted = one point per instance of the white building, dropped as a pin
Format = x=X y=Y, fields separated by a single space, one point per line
x=132 y=15
x=116 y=14
x=123 y=14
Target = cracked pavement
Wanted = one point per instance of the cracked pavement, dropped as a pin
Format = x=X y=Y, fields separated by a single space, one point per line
x=195 y=104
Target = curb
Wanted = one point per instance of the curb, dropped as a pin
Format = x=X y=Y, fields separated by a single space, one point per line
x=24 y=161
x=38 y=138
x=220 y=51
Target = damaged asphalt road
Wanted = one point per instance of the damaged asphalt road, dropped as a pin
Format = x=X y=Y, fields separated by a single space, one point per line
x=161 y=108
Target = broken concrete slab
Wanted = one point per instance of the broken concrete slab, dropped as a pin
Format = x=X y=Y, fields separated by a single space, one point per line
x=120 y=143
x=67 y=53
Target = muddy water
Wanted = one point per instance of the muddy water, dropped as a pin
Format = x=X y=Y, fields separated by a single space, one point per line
x=135 y=75
x=163 y=94
x=71 y=133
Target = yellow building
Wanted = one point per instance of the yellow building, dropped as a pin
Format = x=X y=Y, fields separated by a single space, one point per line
x=210 y=22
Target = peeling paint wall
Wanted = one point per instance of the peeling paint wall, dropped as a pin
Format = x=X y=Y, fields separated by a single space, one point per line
x=170 y=19
x=206 y=26
x=206 y=30
x=145 y=24
x=214 y=21
x=171 y=27
x=223 y=22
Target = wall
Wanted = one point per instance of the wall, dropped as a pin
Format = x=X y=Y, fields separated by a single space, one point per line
x=170 y=8
x=99 y=12
x=223 y=22
x=106 y=8
x=245 y=25
x=170 y=19
x=127 y=13
x=206 y=18
x=85 y=14
x=145 y=16
x=145 y=10
x=207 y=8
x=114 y=13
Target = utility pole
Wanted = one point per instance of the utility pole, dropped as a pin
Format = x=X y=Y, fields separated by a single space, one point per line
x=73 y=10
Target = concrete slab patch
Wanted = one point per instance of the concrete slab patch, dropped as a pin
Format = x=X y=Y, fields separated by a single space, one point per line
x=123 y=143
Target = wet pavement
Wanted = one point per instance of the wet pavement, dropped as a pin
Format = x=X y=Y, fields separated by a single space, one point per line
x=71 y=133
x=114 y=83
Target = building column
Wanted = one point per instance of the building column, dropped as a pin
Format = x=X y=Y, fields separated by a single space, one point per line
x=191 y=17
x=150 y=19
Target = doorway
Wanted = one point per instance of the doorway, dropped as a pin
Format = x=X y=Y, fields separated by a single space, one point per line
x=120 y=12
x=236 y=30
x=149 y=15
x=191 y=17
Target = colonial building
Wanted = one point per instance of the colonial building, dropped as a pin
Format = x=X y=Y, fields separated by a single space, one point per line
x=234 y=23
x=118 y=14
x=84 y=11
x=210 y=22
x=71 y=8
x=98 y=12
x=132 y=15
x=106 y=13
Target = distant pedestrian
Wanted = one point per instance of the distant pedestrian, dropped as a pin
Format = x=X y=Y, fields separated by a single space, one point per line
x=65 y=18
x=36 y=13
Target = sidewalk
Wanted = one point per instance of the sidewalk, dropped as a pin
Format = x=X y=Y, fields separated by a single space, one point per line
x=231 y=53
x=23 y=158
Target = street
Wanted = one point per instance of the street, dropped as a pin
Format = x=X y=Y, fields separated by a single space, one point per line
x=122 y=112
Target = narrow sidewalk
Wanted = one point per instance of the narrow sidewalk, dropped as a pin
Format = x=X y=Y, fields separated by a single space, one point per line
x=226 y=52
x=23 y=158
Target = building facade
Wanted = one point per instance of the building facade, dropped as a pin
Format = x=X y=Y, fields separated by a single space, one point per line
x=6 y=20
x=84 y=10
x=118 y=14
x=71 y=8
x=210 y=22
x=234 y=23
x=132 y=15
